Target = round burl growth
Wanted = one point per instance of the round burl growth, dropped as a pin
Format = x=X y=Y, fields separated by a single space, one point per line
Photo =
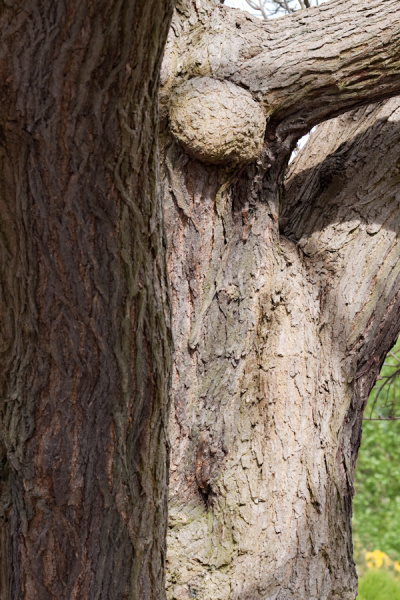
x=217 y=122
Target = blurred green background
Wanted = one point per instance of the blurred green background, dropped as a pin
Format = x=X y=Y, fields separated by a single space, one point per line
x=376 y=506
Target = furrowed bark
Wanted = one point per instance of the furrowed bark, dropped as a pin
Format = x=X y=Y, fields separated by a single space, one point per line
x=85 y=342
x=283 y=312
x=257 y=504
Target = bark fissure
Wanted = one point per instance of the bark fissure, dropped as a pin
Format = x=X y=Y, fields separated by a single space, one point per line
x=84 y=303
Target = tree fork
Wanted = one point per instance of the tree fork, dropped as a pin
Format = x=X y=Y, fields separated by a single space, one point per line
x=272 y=364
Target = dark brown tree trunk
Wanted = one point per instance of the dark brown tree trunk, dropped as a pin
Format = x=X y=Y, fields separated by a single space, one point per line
x=285 y=298
x=85 y=335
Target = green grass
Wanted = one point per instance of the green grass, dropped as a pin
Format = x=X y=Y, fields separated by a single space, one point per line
x=378 y=585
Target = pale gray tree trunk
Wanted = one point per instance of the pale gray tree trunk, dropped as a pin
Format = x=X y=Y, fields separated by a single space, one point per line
x=285 y=293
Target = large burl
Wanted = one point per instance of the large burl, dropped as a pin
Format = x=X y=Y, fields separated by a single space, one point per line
x=217 y=121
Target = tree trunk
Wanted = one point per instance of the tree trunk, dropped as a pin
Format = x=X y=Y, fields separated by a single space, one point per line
x=278 y=335
x=85 y=348
x=285 y=297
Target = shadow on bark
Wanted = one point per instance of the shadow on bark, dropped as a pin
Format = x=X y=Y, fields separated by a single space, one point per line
x=340 y=187
x=355 y=193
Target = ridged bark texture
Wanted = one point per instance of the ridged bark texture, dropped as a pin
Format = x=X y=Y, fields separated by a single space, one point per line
x=285 y=300
x=85 y=334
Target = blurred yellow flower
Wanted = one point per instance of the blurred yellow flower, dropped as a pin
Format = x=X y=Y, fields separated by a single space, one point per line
x=396 y=566
x=377 y=559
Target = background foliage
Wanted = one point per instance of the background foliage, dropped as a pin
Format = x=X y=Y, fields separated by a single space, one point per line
x=376 y=505
x=378 y=585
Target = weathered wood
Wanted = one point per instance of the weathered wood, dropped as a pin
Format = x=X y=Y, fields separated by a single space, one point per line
x=278 y=337
x=303 y=68
x=284 y=304
x=85 y=342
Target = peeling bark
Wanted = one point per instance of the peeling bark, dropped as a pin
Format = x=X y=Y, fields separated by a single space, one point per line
x=85 y=339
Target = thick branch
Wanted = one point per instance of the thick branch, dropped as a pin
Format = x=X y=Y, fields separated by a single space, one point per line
x=342 y=208
x=328 y=60
x=305 y=67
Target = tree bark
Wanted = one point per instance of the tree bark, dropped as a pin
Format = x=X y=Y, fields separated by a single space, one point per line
x=285 y=301
x=285 y=297
x=85 y=335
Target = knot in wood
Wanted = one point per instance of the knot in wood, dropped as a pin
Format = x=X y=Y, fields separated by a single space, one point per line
x=217 y=121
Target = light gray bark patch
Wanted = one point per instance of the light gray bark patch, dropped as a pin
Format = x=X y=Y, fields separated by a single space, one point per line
x=217 y=122
x=278 y=337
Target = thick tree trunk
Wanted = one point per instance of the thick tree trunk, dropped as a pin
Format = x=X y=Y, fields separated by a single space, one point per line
x=85 y=347
x=284 y=305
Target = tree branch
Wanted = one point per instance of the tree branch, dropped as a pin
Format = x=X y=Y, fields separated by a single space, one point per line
x=341 y=207
x=308 y=66
x=334 y=58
